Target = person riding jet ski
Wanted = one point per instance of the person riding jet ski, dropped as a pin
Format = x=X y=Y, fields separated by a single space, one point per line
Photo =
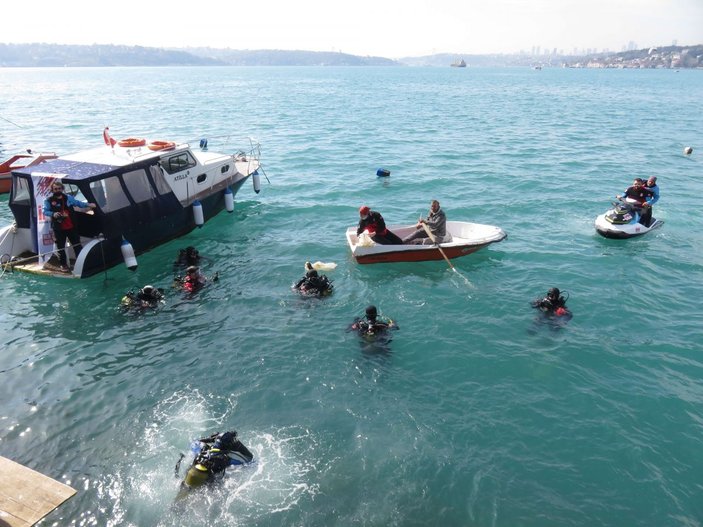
x=213 y=455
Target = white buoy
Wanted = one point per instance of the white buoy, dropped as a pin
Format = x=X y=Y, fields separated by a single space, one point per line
x=229 y=200
x=688 y=150
x=128 y=255
x=198 y=213
x=256 y=180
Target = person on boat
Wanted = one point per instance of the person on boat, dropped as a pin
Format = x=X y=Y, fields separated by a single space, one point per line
x=373 y=223
x=552 y=304
x=148 y=297
x=641 y=195
x=59 y=207
x=372 y=324
x=313 y=283
x=214 y=454
x=651 y=185
x=436 y=221
x=187 y=257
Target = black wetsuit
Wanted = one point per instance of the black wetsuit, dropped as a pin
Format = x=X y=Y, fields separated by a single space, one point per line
x=366 y=327
x=552 y=306
x=314 y=284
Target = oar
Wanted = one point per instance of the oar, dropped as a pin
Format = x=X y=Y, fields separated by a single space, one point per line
x=434 y=240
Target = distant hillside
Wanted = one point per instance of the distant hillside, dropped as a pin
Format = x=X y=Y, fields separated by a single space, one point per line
x=35 y=55
x=263 y=57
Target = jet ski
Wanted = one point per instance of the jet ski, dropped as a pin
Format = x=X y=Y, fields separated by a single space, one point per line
x=623 y=221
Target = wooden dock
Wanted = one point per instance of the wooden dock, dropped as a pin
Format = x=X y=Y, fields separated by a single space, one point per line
x=26 y=496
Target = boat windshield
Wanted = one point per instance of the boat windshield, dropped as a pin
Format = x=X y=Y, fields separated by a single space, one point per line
x=178 y=163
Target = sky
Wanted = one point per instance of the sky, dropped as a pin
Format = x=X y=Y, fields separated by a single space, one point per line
x=385 y=28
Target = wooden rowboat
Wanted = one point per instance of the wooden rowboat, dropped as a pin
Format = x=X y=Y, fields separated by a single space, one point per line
x=467 y=238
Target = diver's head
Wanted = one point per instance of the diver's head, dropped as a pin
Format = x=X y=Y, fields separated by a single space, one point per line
x=148 y=290
x=311 y=273
x=192 y=269
x=371 y=312
x=553 y=293
x=192 y=253
x=651 y=181
x=226 y=440
x=364 y=211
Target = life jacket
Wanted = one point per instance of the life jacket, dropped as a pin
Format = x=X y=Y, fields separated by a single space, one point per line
x=638 y=194
x=60 y=204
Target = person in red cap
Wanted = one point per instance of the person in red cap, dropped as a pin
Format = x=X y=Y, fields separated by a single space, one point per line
x=373 y=223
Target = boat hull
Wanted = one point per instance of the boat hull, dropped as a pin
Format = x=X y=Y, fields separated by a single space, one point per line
x=19 y=161
x=5 y=183
x=621 y=232
x=418 y=255
x=467 y=238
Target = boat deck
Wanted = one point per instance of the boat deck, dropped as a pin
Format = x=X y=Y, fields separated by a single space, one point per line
x=26 y=496
x=34 y=267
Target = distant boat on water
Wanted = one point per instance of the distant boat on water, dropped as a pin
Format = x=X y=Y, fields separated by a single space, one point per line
x=458 y=64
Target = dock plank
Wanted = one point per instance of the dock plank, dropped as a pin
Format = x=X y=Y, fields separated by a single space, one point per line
x=26 y=496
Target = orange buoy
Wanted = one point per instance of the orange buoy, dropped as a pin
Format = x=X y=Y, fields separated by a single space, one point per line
x=161 y=145
x=131 y=142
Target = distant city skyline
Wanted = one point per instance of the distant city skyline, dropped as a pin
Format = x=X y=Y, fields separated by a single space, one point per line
x=389 y=28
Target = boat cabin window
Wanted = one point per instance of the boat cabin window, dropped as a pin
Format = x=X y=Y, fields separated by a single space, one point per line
x=20 y=191
x=109 y=194
x=201 y=178
x=138 y=185
x=224 y=169
x=73 y=190
x=157 y=176
x=178 y=163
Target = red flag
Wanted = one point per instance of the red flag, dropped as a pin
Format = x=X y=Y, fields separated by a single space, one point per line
x=109 y=141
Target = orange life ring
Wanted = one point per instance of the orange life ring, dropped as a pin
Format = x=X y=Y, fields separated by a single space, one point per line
x=161 y=145
x=131 y=142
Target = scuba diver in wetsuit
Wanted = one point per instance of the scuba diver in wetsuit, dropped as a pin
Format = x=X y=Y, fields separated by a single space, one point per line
x=194 y=280
x=186 y=257
x=314 y=284
x=372 y=324
x=217 y=452
x=148 y=297
x=552 y=304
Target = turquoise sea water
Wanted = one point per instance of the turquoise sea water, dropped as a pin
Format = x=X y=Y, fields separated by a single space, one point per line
x=475 y=414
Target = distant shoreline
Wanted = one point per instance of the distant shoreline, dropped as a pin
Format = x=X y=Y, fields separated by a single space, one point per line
x=56 y=55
